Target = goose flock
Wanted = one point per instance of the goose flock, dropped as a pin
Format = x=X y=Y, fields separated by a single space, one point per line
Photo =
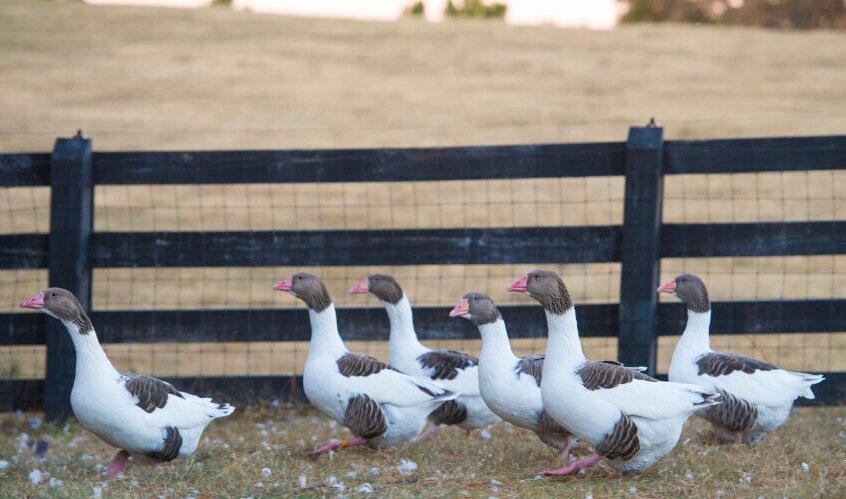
x=630 y=419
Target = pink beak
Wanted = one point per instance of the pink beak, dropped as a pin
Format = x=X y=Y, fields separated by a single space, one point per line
x=519 y=285
x=362 y=287
x=36 y=302
x=668 y=287
x=285 y=285
x=462 y=308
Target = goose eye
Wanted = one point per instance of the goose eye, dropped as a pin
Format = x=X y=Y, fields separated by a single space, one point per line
x=52 y=294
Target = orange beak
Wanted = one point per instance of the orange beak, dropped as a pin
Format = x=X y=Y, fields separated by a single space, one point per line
x=519 y=285
x=461 y=309
x=362 y=287
x=285 y=285
x=36 y=302
x=667 y=287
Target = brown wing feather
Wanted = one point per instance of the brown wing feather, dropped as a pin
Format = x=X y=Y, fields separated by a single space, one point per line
x=449 y=413
x=151 y=393
x=360 y=365
x=446 y=363
x=364 y=417
x=622 y=442
x=172 y=444
x=596 y=375
x=718 y=364
x=732 y=413
x=531 y=365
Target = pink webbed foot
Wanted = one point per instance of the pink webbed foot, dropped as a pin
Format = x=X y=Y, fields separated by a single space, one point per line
x=428 y=433
x=118 y=463
x=337 y=444
x=574 y=468
x=738 y=437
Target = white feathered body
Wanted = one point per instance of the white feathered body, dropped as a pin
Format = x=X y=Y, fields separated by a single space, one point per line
x=404 y=351
x=772 y=392
x=405 y=405
x=103 y=405
x=658 y=409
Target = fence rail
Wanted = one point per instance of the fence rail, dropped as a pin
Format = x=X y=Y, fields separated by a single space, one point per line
x=72 y=249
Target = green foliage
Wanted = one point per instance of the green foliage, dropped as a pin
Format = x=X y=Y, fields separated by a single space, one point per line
x=221 y=3
x=769 y=13
x=475 y=8
x=416 y=9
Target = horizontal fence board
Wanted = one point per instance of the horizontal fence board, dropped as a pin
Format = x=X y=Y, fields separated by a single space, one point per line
x=432 y=323
x=752 y=317
x=360 y=165
x=27 y=394
x=753 y=239
x=359 y=247
x=24 y=251
x=755 y=155
x=24 y=169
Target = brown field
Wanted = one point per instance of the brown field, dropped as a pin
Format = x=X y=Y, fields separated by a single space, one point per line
x=216 y=79
x=234 y=451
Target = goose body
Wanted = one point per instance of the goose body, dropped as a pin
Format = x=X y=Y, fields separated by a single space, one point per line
x=145 y=417
x=508 y=384
x=757 y=396
x=456 y=371
x=630 y=419
x=377 y=403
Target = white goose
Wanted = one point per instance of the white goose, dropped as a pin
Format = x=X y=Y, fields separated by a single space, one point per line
x=378 y=404
x=629 y=418
x=144 y=417
x=455 y=371
x=510 y=385
x=757 y=397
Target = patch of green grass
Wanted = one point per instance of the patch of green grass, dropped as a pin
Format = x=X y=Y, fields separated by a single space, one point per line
x=234 y=451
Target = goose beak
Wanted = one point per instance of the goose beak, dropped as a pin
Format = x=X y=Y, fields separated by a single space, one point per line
x=461 y=309
x=362 y=287
x=519 y=285
x=35 y=303
x=285 y=285
x=667 y=287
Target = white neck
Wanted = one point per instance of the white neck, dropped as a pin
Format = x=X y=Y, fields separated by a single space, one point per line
x=91 y=360
x=402 y=322
x=325 y=338
x=495 y=344
x=564 y=347
x=695 y=337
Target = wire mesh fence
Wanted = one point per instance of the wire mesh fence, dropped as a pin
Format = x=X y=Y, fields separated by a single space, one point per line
x=196 y=280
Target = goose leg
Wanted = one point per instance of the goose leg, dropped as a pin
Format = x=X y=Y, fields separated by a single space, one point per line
x=574 y=468
x=337 y=444
x=738 y=437
x=428 y=433
x=566 y=452
x=118 y=463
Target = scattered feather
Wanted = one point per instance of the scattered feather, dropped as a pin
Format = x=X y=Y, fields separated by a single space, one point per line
x=375 y=471
x=55 y=482
x=75 y=441
x=266 y=472
x=302 y=481
x=686 y=441
x=35 y=476
x=351 y=474
x=688 y=475
x=3 y=464
x=34 y=422
x=365 y=488
x=96 y=491
x=485 y=434
x=633 y=490
x=259 y=485
x=805 y=468
x=333 y=482
x=407 y=467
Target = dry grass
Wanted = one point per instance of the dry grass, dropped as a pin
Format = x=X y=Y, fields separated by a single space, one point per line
x=212 y=78
x=230 y=463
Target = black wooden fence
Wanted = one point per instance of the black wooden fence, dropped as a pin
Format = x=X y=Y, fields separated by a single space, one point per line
x=72 y=248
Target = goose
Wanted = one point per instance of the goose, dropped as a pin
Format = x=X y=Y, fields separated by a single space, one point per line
x=629 y=418
x=455 y=371
x=378 y=404
x=508 y=384
x=146 y=418
x=757 y=396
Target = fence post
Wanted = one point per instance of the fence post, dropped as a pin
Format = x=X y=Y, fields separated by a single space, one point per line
x=71 y=217
x=641 y=246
